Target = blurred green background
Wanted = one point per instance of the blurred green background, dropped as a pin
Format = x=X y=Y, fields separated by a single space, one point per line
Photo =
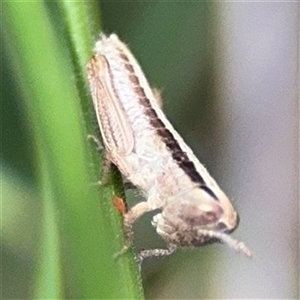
x=228 y=75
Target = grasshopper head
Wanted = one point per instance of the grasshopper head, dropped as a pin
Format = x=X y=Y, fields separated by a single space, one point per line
x=196 y=218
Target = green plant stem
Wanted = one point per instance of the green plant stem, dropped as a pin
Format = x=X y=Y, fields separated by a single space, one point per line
x=82 y=228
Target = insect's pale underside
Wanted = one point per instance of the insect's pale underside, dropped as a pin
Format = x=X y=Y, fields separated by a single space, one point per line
x=148 y=151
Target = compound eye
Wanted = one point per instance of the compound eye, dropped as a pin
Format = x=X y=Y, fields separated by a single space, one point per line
x=222 y=227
